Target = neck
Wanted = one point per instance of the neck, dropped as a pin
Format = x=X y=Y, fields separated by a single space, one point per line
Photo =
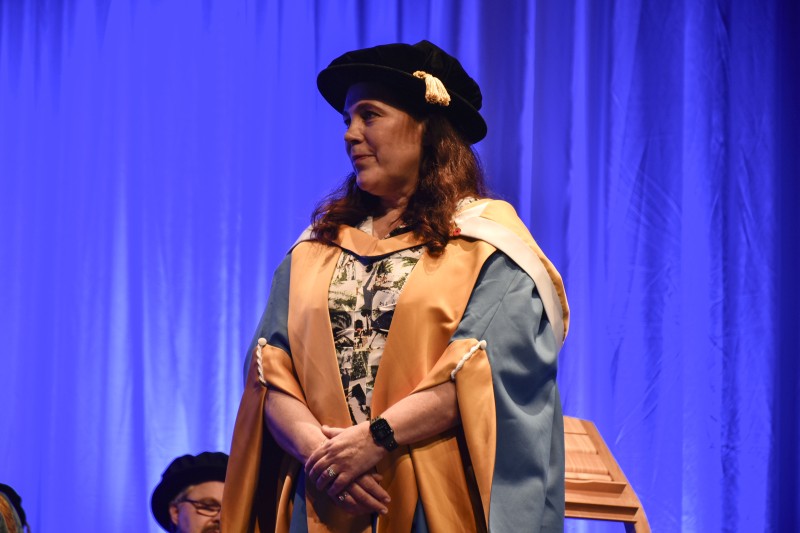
x=386 y=221
x=394 y=205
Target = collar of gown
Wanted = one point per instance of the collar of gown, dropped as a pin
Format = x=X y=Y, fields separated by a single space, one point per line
x=365 y=245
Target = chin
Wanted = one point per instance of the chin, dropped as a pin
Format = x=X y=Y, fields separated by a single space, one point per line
x=367 y=185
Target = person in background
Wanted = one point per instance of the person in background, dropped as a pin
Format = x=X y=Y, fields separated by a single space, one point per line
x=189 y=497
x=12 y=516
x=450 y=418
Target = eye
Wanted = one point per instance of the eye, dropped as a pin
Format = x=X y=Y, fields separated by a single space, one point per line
x=346 y=121
x=368 y=114
x=211 y=505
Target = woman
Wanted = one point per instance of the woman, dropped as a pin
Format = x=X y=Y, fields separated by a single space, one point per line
x=404 y=374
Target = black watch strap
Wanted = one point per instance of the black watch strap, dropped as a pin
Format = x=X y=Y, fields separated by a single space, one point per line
x=382 y=433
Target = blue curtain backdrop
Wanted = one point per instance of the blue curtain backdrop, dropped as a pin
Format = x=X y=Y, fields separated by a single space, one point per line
x=158 y=157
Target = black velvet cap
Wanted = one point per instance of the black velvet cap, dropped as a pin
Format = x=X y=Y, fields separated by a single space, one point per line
x=394 y=65
x=182 y=472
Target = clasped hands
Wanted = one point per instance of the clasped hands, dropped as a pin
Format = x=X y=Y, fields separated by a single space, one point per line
x=343 y=467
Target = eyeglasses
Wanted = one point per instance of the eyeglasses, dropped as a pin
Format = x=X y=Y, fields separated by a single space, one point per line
x=204 y=508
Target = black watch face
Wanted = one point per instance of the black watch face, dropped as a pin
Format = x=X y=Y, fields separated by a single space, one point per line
x=380 y=429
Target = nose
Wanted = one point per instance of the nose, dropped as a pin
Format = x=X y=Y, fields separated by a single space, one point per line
x=353 y=133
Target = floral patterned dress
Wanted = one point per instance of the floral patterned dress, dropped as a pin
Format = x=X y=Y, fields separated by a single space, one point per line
x=361 y=302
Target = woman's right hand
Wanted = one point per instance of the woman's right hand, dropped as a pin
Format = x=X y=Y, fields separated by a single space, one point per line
x=364 y=496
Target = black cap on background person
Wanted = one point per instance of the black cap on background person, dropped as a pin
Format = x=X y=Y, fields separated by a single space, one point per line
x=12 y=516
x=189 y=497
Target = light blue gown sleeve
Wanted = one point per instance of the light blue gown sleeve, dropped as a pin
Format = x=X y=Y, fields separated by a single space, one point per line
x=506 y=311
x=273 y=325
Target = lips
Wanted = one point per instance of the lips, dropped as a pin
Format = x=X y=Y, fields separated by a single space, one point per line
x=359 y=157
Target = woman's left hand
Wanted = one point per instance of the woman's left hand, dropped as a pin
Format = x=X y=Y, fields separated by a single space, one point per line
x=347 y=454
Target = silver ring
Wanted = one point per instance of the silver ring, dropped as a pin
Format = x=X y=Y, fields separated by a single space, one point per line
x=330 y=472
x=343 y=496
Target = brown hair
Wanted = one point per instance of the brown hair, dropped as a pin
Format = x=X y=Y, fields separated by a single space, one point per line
x=449 y=171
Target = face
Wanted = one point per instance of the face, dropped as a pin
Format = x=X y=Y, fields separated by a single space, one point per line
x=185 y=515
x=383 y=142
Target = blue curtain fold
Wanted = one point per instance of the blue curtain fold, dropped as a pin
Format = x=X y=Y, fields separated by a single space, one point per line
x=158 y=158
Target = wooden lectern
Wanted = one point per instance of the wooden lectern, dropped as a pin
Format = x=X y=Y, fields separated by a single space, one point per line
x=596 y=488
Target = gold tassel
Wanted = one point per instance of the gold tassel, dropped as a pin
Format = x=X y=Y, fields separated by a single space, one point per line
x=435 y=93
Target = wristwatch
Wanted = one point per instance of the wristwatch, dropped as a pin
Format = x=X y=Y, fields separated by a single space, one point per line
x=382 y=433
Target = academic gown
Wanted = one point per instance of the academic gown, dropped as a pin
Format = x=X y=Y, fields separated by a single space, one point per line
x=489 y=314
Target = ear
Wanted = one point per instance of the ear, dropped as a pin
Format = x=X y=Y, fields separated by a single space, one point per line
x=173 y=514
